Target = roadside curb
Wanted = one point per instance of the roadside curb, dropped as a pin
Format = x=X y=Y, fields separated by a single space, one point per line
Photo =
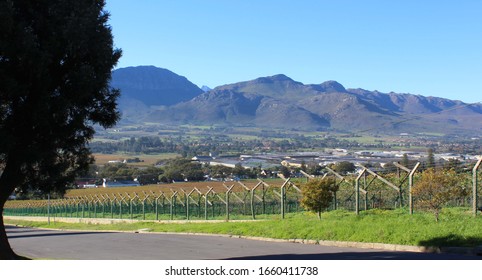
x=474 y=251
x=107 y=221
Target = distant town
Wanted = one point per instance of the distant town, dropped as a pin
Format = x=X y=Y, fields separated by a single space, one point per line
x=328 y=157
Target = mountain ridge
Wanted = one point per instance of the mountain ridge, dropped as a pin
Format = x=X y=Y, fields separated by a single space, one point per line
x=153 y=86
x=280 y=102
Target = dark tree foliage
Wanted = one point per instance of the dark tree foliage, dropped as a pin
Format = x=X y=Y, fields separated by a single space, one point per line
x=56 y=58
x=181 y=169
x=239 y=170
x=285 y=171
x=344 y=167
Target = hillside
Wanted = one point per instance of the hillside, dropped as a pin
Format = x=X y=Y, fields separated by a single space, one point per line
x=153 y=86
x=227 y=107
x=280 y=102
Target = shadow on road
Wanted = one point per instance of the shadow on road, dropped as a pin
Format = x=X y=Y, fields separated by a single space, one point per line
x=12 y=229
x=362 y=256
x=451 y=240
x=13 y=233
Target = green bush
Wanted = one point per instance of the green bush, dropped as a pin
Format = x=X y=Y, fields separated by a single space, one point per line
x=317 y=194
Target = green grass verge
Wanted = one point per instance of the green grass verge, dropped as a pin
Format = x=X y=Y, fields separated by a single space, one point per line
x=456 y=227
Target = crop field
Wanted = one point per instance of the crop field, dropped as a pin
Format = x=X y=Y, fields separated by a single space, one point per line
x=180 y=187
x=194 y=200
x=202 y=187
x=208 y=200
x=238 y=200
x=147 y=159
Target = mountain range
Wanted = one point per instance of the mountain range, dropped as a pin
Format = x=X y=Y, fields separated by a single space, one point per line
x=150 y=94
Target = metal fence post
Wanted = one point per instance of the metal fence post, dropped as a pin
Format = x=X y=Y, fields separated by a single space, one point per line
x=111 y=208
x=474 y=187
x=410 y=186
x=357 y=192
x=206 y=203
x=283 y=197
x=120 y=208
x=157 y=208
x=173 y=200
x=253 y=194
x=227 y=204
x=188 y=196
x=130 y=209
x=144 y=209
x=48 y=208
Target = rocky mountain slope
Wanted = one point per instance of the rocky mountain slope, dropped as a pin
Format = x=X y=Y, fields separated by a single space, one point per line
x=153 y=86
x=280 y=102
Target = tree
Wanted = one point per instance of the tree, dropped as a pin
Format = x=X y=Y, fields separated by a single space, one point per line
x=435 y=188
x=285 y=171
x=314 y=169
x=180 y=169
x=405 y=161
x=452 y=163
x=317 y=194
x=343 y=167
x=147 y=175
x=239 y=171
x=218 y=171
x=56 y=58
x=430 y=158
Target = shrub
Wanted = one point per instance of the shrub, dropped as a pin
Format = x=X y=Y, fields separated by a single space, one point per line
x=435 y=188
x=317 y=194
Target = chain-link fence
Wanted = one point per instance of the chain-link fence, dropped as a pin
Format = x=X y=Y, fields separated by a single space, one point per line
x=252 y=203
x=367 y=189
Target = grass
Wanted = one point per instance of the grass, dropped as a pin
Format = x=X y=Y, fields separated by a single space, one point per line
x=456 y=227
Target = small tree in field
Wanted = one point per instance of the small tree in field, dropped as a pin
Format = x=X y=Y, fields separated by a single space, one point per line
x=317 y=194
x=435 y=188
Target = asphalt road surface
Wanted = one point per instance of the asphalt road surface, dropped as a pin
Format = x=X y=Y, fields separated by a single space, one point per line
x=89 y=245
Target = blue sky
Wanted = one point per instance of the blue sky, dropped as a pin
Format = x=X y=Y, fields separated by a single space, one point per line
x=432 y=48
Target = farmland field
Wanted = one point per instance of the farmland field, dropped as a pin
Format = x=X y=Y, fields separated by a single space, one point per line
x=154 y=190
x=185 y=186
x=147 y=159
x=179 y=201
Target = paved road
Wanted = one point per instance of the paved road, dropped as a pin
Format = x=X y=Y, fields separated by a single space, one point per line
x=85 y=245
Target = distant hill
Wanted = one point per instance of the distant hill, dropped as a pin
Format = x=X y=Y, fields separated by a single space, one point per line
x=233 y=108
x=153 y=86
x=280 y=102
